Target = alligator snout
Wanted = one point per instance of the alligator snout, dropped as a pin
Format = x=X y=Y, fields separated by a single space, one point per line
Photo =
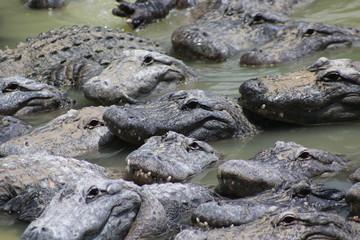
x=39 y=233
x=253 y=86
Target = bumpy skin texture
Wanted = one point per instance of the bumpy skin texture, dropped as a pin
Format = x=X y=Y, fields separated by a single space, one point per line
x=171 y=157
x=69 y=56
x=353 y=199
x=195 y=113
x=299 y=40
x=243 y=23
x=328 y=91
x=72 y=134
x=285 y=163
x=114 y=209
x=11 y=127
x=138 y=73
x=287 y=225
x=303 y=196
x=45 y=3
x=30 y=181
x=142 y=12
x=21 y=96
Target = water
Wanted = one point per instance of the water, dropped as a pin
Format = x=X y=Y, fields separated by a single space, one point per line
x=17 y=23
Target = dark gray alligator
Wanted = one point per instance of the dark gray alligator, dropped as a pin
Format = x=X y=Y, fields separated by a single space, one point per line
x=99 y=208
x=11 y=127
x=303 y=196
x=171 y=157
x=75 y=133
x=69 y=56
x=285 y=163
x=37 y=4
x=299 y=40
x=138 y=73
x=22 y=176
x=199 y=114
x=328 y=91
x=287 y=225
x=20 y=96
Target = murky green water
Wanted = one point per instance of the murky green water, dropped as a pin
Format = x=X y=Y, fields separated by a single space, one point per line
x=17 y=23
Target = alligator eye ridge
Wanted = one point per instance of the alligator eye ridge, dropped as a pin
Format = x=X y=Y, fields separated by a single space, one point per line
x=148 y=60
x=93 y=124
x=11 y=88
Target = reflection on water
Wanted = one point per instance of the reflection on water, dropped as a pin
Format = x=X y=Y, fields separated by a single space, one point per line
x=17 y=23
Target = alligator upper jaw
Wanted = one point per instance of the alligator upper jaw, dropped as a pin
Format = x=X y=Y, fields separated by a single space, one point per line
x=142 y=176
x=36 y=105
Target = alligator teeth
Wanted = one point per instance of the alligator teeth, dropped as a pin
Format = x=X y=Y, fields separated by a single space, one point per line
x=281 y=115
x=127 y=168
x=119 y=131
x=139 y=138
x=263 y=106
x=168 y=179
x=129 y=20
x=149 y=174
x=128 y=162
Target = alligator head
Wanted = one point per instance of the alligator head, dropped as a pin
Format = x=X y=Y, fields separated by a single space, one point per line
x=171 y=157
x=45 y=3
x=20 y=96
x=88 y=209
x=198 y=114
x=289 y=225
x=77 y=132
x=326 y=92
x=137 y=73
x=226 y=29
x=286 y=162
x=299 y=40
x=11 y=127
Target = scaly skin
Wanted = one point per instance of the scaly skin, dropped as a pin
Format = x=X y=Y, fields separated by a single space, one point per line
x=171 y=157
x=115 y=209
x=300 y=40
x=20 y=96
x=287 y=225
x=11 y=127
x=137 y=73
x=285 y=163
x=69 y=56
x=328 y=91
x=195 y=113
x=30 y=181
x=72 y=134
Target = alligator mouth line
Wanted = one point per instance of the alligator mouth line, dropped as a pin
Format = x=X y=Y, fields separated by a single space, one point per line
x=144 y=176
x=202 y=124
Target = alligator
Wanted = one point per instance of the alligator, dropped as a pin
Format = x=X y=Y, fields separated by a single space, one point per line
x=287 y=225
x=285 y=163
x=299 y=40
x=69 y=55
x=137 y=73
x=198 y=114
x=38 y=4
x=24 y=176
x=74 y=133
x=21 y=96
x=99 y=208
x=169 y=158
x=11 y=127
x=303 y=196
x=328 y=91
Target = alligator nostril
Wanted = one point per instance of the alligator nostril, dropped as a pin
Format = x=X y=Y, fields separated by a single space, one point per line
x=44 y=229
x=253 y=86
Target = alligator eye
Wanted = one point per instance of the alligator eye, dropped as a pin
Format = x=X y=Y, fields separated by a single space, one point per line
x=305 y=155
x=193 y=146
x=11 y=88
x=93 y=124
x=303 y=192
x=193 y=104
x=287 y=220
x=309 y=32
x=258 y=18
x=148 y=60
x=332 y=77
x=93 y=193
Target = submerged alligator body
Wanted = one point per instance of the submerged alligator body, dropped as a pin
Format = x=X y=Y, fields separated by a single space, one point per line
x=24 y=176
x=11 y=127
x=199 y=114
x=38 y=4
x=302 y=39
x=72 y=134
x=20 y=96
x=302 y=196
x=115 y=209
x=285 y=163
x=328 y=91
x=137 y=73
x=69 y=55
x=171 y=157
x=286 y=225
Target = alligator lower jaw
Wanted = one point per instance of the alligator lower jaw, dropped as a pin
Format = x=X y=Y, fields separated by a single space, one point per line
x=141 y=176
